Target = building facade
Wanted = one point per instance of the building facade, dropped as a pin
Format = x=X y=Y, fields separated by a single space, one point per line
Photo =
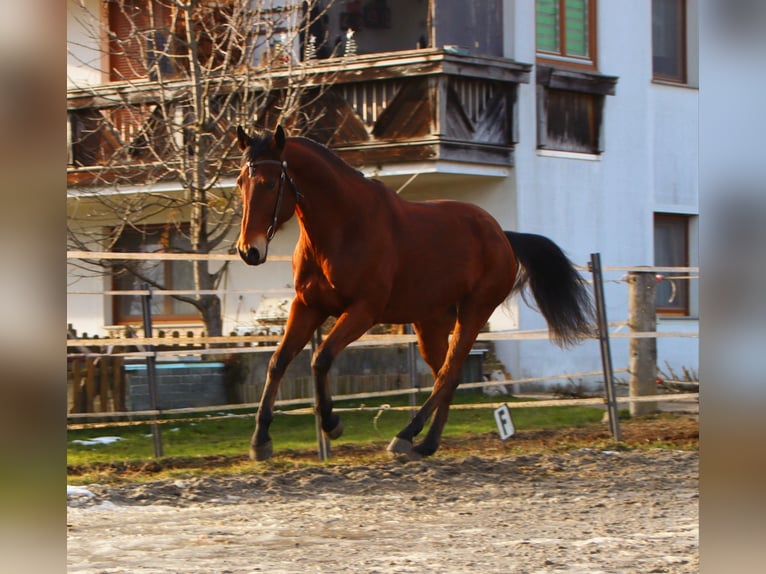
x=574 y=120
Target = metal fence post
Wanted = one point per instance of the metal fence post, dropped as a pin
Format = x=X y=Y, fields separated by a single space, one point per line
x=642 y=318
x=151 y=368
x=606 y=353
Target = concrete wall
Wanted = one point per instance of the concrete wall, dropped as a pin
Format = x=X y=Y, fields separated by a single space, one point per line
x=179 y=385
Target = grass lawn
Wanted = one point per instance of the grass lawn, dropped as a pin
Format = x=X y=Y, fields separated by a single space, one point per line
x=225 y=434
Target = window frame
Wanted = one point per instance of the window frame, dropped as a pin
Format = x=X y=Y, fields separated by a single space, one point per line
x=562 y=58
x=167 y=316
x=682 y=284
x=682 y=38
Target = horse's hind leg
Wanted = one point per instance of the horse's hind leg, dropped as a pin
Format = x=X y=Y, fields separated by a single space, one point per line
x=301 y=324
x=433 y=340
x=437 y=404
x=471 y=319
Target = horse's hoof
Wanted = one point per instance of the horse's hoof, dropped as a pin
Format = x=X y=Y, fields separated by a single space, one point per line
x=424 y=449
x=336 y=432
x=261 y=451
x=401 y=449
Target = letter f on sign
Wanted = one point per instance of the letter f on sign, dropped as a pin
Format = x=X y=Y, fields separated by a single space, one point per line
x=504 y=422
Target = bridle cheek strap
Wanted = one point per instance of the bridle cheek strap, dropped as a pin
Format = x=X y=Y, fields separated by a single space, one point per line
x=283 y=176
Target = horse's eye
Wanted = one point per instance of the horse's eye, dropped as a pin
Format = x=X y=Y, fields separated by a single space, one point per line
x=270 y=183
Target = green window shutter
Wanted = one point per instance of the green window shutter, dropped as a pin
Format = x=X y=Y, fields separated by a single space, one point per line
x=547 y=25
x=577 y=28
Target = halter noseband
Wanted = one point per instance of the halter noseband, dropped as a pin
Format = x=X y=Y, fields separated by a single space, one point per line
x=272 y=230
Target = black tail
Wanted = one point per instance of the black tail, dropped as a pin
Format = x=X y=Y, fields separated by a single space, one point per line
x=562 y=295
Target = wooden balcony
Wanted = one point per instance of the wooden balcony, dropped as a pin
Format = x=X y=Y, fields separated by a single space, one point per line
x=373 y=110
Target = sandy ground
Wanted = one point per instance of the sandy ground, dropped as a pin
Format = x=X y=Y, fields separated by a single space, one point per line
x=585 y=510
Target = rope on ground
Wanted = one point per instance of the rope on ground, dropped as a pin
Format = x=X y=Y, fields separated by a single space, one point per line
x=380 y=409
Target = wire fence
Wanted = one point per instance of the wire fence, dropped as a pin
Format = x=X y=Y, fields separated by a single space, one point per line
x=198 y=346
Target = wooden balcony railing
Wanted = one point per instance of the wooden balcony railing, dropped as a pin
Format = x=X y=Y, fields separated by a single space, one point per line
x=378 y=109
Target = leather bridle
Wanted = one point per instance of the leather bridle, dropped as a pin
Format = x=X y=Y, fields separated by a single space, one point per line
x=283 y=176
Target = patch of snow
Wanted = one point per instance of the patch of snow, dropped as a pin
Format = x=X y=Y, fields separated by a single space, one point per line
x=78 y=491
x=97 y=440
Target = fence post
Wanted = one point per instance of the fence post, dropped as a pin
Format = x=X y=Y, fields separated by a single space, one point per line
x=118 y=388
x=642 y=318
x=103 y=382
x=90 y=384
x=78 y=388
x=151 y=371
x=606 y=353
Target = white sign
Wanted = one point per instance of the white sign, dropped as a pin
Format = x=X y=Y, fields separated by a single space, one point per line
x=504 y=422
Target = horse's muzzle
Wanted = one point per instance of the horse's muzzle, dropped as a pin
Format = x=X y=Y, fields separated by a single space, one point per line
x=252 y=256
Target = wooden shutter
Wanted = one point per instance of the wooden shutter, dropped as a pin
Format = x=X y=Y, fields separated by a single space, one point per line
x=136 y=35
x=126 y=53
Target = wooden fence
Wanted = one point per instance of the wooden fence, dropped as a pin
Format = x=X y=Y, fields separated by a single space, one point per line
x=97 y=365
x=96 y=384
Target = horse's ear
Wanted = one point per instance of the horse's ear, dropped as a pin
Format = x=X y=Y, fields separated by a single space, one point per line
x=243 y=140
x=279 y=138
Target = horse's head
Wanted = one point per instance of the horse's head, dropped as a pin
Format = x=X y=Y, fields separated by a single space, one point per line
x=266 y=203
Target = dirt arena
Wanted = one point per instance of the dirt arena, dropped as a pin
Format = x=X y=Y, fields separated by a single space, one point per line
x=545 y=508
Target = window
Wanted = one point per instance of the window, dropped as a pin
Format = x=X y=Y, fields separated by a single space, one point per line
x=570 y=92
x=132 y=275
x=669 y=40
x=671 y=249
x=566 y=31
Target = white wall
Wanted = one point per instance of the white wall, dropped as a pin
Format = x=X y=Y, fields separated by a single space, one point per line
x=85 y=310
x=605 y=203
x=674 y=115
x=83 y=46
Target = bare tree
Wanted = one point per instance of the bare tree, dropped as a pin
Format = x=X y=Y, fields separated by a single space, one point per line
x=153 y=145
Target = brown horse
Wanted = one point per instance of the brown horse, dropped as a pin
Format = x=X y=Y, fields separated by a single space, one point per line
x=367 y=256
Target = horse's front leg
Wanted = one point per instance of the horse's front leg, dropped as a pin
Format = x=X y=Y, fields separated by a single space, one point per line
x=301 y=324
x=351 y=325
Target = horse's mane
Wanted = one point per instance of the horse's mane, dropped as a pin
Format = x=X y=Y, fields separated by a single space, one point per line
x=259 y=145
x=330 y=156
